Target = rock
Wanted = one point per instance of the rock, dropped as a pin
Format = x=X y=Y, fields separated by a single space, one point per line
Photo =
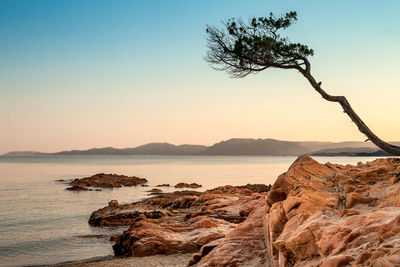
x=125 y=214
x=354 y=198
x=181 y=221
x=170 y=235
x=155 y=191
x=337 y=261
x=320 y=215
x=176 y=200
x=163 y=185
x=243 y=246
x=192 y=185
x=196 y=257
x=108 y=181
x=94 y=236
x=395 y=178
x=113 y=238
x=314 y=215
x=113 y=203
x=77 y=188
x=256 y=188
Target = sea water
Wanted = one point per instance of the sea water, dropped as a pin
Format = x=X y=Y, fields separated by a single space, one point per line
x=42 y=223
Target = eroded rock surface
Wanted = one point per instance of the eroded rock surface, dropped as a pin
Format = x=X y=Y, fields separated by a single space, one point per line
x=320 y=215
x=125 y=214
x=182 y=221
x=103 y=180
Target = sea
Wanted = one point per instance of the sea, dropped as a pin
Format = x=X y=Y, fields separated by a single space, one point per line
x=43 y=224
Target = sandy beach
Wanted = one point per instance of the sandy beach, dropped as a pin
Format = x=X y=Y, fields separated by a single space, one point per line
x=175 y=260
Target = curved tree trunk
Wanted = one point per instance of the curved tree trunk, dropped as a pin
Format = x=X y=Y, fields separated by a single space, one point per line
x=395 y=150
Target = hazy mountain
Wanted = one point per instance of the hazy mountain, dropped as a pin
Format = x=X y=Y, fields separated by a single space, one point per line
x=24 y=153
x=344 y=151
x=148 y=149
x=316 y=146
x=378 y=153
x=165 y=149
x=255 y=147
x=231 y=147
x=93 y=151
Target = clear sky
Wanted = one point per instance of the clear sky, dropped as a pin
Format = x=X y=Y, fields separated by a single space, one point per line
x=82 y=74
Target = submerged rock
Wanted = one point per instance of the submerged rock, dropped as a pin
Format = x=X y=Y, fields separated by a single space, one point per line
x=163 y=185
x=77 y=188
x=103 y=180
x=183 y=185
x=155 y=191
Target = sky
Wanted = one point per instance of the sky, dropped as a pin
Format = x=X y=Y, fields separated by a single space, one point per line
x=92 y=73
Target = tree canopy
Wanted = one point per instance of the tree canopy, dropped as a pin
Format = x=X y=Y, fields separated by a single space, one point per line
x=242 y=48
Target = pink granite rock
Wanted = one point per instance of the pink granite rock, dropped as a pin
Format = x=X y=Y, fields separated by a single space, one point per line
x=321 y=215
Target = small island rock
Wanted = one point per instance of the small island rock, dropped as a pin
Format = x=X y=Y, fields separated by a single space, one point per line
x=103 y=180
x=163 y=185
x=155 y=191
x=183 y=185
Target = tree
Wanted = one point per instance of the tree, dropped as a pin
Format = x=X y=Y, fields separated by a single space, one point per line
x=242 y=48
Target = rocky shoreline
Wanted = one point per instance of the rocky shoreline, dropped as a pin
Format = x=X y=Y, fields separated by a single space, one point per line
x=314 y=215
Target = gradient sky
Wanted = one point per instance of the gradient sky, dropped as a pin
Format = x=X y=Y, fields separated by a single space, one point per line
x=82 y=74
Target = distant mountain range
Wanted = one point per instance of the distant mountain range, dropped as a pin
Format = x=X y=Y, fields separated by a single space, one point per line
x=231 y=147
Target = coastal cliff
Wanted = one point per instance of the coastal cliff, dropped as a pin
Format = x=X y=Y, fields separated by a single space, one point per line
x=314 y=215
x=321 y=215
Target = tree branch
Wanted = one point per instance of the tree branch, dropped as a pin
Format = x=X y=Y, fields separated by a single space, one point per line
x=362 y=127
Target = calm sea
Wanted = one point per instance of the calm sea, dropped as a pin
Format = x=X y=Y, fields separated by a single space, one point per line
x=41 y=223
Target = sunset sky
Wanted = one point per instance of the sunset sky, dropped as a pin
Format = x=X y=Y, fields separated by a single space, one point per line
x=83 y=74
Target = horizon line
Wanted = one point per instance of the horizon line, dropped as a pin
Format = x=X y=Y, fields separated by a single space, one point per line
x=83 y=149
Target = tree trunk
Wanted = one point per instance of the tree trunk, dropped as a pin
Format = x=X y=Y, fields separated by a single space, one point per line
x=395 y=150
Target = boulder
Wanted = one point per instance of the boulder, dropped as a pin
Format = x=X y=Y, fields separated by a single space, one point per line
x=113 y=203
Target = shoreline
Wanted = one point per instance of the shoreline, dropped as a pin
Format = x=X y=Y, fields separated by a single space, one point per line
x=173 y=260
x=69 y=263
x=229 y=223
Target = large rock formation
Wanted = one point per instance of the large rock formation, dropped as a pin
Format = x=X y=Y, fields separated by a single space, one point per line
x=182 y=221
x=314 y=215
x=320 y=215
